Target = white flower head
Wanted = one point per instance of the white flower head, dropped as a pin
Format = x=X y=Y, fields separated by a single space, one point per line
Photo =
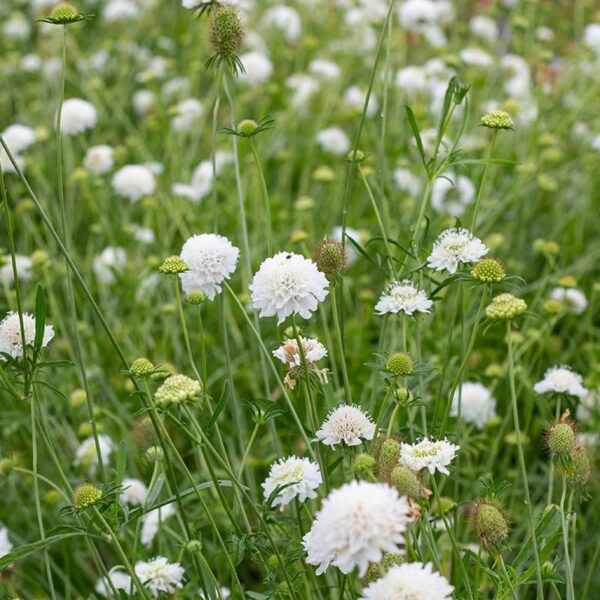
x=86 y=455
x=454 y=247
x=573 y=299
x=347 y=423
x=452 y=194
x=289 y=354
x=159 y=575
x=187 y=113
x=288 y=284
x=300 y=476
x=212 y=259
x=99 y=159
x=409 y=581
x=6 y=545
x=77 y=116
x=433 y=455
x=134 y=182
x=151 y=522
x=133 y=491
x=258 y=68
x=24 y=269
x=561 y=380
x=334 y=140
x=357 y=523
x=11 y=341
x=477 y=405
x=111 y=259
x=119 y=580
x=18 y=137
x=403 y=296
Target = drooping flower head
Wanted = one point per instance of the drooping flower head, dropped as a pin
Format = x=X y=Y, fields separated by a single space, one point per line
x=356 y=524
x=211 y=260
x=454 y=247
x=561 y=380
x=289 y=354
x=159 y=575
x=11 y=341
x=348 y=424
x=300 y=476
x=403 y=296
x=288 y=284
x=433 y=455
x=477 y=405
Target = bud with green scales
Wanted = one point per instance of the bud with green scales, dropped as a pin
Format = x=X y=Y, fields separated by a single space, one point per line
x=497 y=119
x=489 y=523
x=86 y=495
x=388 y=455
x=173 y=265
x=226 y=35
x=178 y=389
x=406 y=482
x=505 y=307
x=330 y=258
x=489 y=270
x=141 y=367
x=561 y=438
x=400 y=364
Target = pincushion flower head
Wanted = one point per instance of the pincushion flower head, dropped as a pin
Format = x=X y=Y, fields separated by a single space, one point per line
x=403 y=296
x=356 y=525
x=133 y=491
x=477 y=405
x=300 y=476
x=11 y=342
x=289 y=354
x=573 y=299
x=77 y=116
x=409 y=581
x=134 y=182
x=119 y=580
x=561 y=380
x=211 y=259
x=87 y=456
x=288 y=284
x=160 y=576
x=347 y=423
x=433 y=455
x=99 y=159
x=454 y=247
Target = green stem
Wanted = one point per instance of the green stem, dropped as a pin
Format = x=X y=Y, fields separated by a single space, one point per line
x=482 y=183
x=340 y=340
x=565 y=536
x=265 y=194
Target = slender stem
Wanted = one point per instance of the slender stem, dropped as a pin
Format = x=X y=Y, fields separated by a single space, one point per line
x=340 y=340
x=265 y=194
x=565 y=536
x=506 y=577
x=213 y=155
x=483 y=178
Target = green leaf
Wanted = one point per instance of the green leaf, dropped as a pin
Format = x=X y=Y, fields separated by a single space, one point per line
x=410 y=115
x=155 y=490
x=28 y=549
x=220 y=406
x=40 y=319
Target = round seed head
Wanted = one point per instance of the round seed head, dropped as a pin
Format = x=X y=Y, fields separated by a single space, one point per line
x=489 y=523
x=177 y=389
x=505 y=307
x=141 y=367
x=330 y=258
x=406 y=482
x=400 y=364
x=489 y=270
x=86 y=495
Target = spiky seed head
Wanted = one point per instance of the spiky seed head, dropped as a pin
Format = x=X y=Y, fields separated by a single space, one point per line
x=363 y=464
x=374 y=572
x=391 y=559
x=247 y=127
x=64 y=13
x=388 y=456
x=561 y=438
x=178 y=389
x=196 y=297
x=488 y=270
x=226 y=33
x=141 y=367
x=172 y=265
x=489 y=523
x=406 y=482
x=86 y=495
x=578 y=470
x=400 y=364
x=330 y=258
x=505 y=307
x=497 y=119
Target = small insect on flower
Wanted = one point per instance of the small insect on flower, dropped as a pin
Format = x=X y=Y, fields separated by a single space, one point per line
x=288 y=284
x=348 y=424
x=561 y=380
x=289 y=354
x=454 y=247
x=403 y=296
x=355 y=526
x=11 y=342
x=428 y=454
x=299 y=476
x=409 y=581
x=160 y=576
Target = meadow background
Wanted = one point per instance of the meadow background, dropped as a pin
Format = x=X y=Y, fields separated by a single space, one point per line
x=86 y=248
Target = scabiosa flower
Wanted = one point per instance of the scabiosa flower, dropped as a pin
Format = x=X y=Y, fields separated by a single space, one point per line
x=24 y=269
x=347 y=423
x=403 y=296
x=333 y=140
x=111 y=259
x=5 y=544
x=357 y=523
x=428 y=454
x=133 y=491
x=134 y=182
x=99 y=159
x=300 y=476
x=288 y=284
x=211 y=259
x=86 y=453
x=77 y=116
x=505 y=307
x=451 y=194
x=573 y=299
x=159 y=575
x=453 y=247
x=119 y=580
x=477 y=405
x=409 y=581
x=151 y=523
x=11 y=341
x=289 y=354
x=561 y=380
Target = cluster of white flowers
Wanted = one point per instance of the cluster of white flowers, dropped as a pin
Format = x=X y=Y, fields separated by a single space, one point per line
x=477 y=405
x=202 y=179
x=119 y=580
x=107 y=263
x=334 y=140
x=299 y=476
x=18 y=138
x=356 y=524
x=24 y=266
x=561 y=380
x=5 y=543
x=99 y=159
x=455 y=247
x=433 y=455
x=403 y=296
x=11 y=342
x=348 y=424
x=160 y=576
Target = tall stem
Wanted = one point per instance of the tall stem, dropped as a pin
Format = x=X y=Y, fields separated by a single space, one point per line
x=265 y=194
x=340 y=340
x=483 y=178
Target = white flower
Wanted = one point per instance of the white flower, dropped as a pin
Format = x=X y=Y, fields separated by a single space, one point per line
x=133 y=492
x=412 y=80
x=303 y=87
x=573 y=299
x=484 y=28
x=120 y=10
x=409 y=581
x=151 y=522
x=212 y=259
x=428 y=454
x=477 y=405
x=287 y=284
x=159 y=575
x=324 y=69
x=187 y=113
x=476 y=57
x=11 y=341
x=258 y=68
x=403 y=296
x=134 y=182
x=289 y=354
x=591 y=37
x=224 y=591
x=453 y=247
x=357 y=523
x=561 y=380
x=86 y=455
x=120 y=581
x=76 y=116
x=18 y=137
x=355 y=98
x=5 y=543
x=202 y=178
x=143 y=102
x=286 y=19
x=24 y=269
x=347 y=423
x=111 y=259
x=451 y=194
x=99 y=159
x=300 y=476
x=351 y=252
x=333 y=140
x=145 y=235
x=407 y=181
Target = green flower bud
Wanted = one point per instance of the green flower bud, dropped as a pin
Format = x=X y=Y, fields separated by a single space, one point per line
x=561 y=439
x=489 y=270
x=330 y=258
x=400 y=364
x=194 y=547
x=154 y=454
x=86 y=495
x=178 y=389
x=489 y=523
x=173 y=265
x=196 y=297
x=141 y=367
x=247 y=127
x=77 y=398
x=406 y=482
x=497 y=119
x=579 y=469
x=6 y=466
x=505 y=307
x=64 y=13
x=363 y=464
x=388 y=456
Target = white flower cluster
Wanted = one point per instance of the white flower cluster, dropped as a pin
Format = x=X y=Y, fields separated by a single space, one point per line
x=433 y=455
x=348 y=424
x=455 y=247
x=299 y=476
x=561 y=380
x=289 y=354
x=403 y=296
x=11 y=342
x=477 y=405
x=160 y=576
